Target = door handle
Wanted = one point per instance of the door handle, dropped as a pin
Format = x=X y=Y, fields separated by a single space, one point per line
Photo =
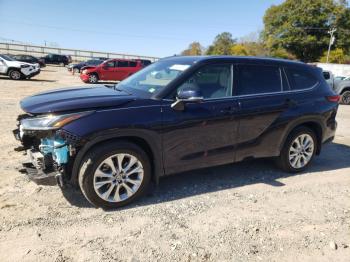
x=229 y=110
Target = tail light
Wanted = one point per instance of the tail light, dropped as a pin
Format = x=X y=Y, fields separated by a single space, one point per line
x=334 y=99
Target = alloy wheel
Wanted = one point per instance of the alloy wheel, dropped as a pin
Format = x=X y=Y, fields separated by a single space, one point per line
x=15 y=75
x=118 y=177
x=346 y=98
x=301 y=151
x=93 y=78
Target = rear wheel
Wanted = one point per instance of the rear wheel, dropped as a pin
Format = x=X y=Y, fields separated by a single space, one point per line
x=298 y=150
x=114 y=174
x=93 y=78
x=15 y=74
x=345 y=98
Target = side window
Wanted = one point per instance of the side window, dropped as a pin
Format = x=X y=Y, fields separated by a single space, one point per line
x=257 y=79
x=300 y=79
x=213 y=81
x=123 y=63
x=132 y=64
x=110 y=64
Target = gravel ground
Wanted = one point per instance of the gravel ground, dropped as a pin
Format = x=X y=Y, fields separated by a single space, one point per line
x=245 y=211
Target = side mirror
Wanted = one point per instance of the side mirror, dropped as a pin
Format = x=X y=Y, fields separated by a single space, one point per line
x=185 y=96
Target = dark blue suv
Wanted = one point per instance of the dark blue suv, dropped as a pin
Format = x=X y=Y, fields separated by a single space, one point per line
x=178 y=114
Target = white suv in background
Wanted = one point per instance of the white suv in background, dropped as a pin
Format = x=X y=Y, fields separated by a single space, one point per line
x=17 y=70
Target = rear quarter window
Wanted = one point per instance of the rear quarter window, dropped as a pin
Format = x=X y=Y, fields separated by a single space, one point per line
x=300 y=79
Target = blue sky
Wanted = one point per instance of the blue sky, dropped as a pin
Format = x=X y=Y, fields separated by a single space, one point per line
x=156 y=28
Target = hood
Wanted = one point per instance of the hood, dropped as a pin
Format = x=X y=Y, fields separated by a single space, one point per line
x=18 y=63
x=73 y=99
x=89 y=67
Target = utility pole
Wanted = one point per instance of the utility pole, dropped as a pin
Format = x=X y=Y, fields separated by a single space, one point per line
x=331 y=40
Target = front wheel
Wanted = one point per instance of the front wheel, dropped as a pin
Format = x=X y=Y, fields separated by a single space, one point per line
x=345 y=98
x=15 y=75
x=298 y=150
x=93 y=79
x=114 y=174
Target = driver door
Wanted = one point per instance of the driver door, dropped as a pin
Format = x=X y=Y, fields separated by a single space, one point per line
x=108 y=70
x=203 y=134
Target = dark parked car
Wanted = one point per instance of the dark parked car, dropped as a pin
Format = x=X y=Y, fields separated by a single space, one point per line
x=177 y=114
x=145 y=62
x=76 y=68
x=30 y=59
x=53 y=59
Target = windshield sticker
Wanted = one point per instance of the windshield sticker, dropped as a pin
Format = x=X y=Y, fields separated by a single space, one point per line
x=179 y=67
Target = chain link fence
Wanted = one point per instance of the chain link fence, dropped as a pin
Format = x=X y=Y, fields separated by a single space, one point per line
x=76 y=54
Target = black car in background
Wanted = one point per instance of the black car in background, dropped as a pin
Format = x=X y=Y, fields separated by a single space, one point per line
x=55 y=59
x=77 y=67
x=145 y=62
x=176 y=115
x=29 y=59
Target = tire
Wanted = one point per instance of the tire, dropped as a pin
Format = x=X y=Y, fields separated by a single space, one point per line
x=93 y=78
x=76 y=70
x=15 y=74
x=345 y=98
x=62 y=64
x=96 y=179
x=286 y=159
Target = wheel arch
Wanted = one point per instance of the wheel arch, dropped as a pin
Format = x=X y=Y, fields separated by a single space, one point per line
x=347 y=88
x=13 y=68
x=144 y=142
x=314 y=125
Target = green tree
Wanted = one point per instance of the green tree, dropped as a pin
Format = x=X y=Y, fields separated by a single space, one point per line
x=195 y=48
x=300 y=27
x=239 y=50
x=256 y=49
x=335 y=56
x=222 y=44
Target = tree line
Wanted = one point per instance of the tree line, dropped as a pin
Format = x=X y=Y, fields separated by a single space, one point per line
x=295 y=29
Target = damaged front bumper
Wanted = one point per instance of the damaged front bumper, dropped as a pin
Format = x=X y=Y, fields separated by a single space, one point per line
x=49 y=153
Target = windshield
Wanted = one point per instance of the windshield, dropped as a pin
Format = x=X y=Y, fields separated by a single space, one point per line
x=154 y=77
x=7 y=58
x=94 y=62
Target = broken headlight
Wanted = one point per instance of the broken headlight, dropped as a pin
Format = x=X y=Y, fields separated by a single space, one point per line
x=50 y=122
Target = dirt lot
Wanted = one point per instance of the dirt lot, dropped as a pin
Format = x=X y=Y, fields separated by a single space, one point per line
x=246 y=211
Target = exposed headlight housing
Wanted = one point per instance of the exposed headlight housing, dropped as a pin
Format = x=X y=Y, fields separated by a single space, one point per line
x=50 y=122
x=25 y=66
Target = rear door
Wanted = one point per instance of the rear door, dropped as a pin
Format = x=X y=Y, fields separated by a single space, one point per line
x=260 y=94
x=122 y=70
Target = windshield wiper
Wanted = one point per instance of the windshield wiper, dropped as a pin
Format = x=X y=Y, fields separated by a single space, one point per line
x=120 y=89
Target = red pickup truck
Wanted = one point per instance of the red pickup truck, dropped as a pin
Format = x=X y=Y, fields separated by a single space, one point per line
x=113 y=69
